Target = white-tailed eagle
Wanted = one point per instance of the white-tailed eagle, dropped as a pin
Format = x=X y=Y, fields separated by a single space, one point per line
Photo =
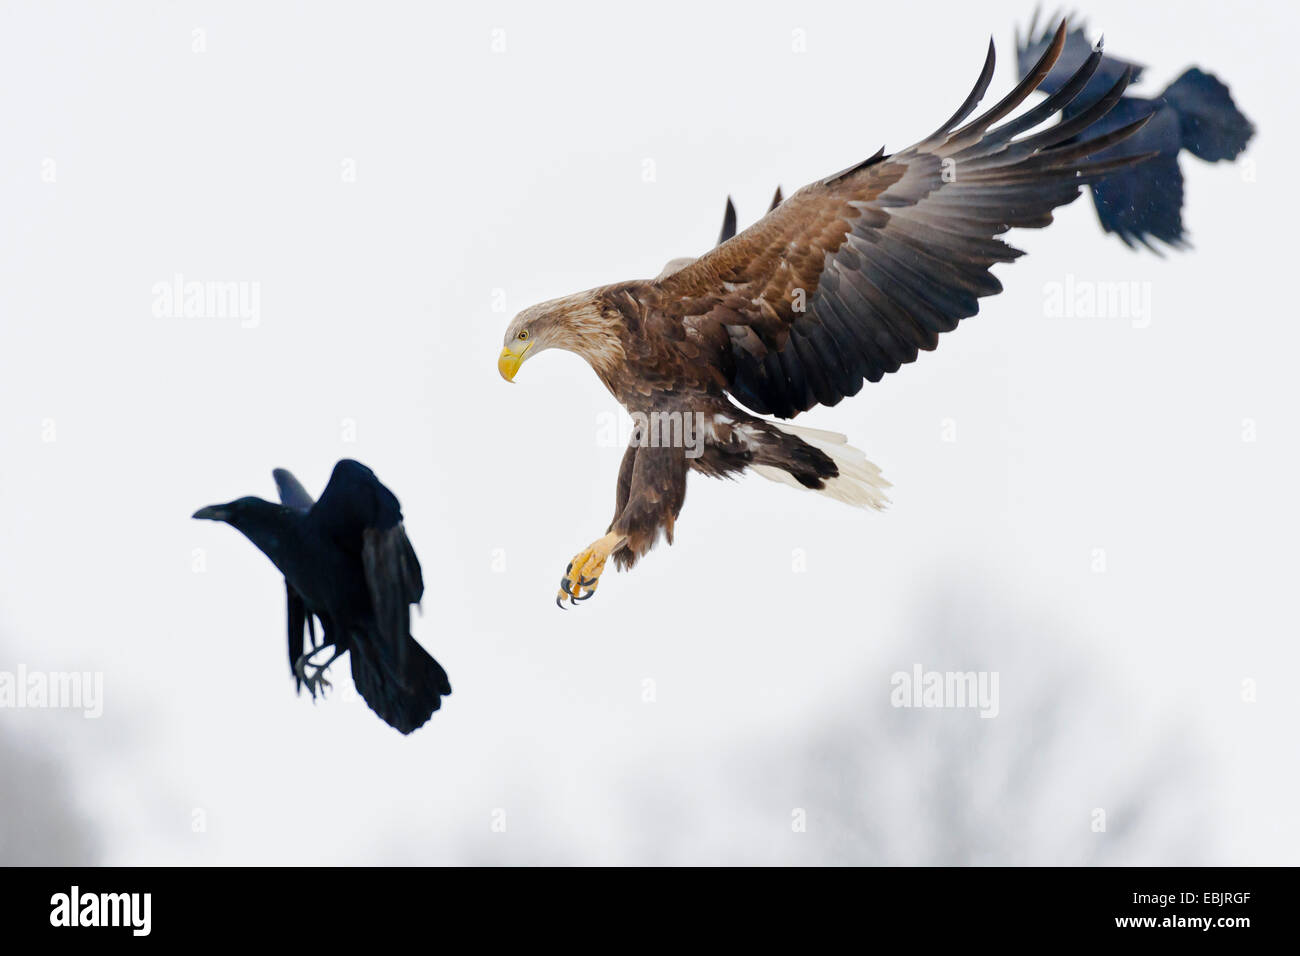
x=846 y=280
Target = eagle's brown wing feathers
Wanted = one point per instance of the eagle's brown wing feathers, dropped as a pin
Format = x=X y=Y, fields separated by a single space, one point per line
x=850 y=277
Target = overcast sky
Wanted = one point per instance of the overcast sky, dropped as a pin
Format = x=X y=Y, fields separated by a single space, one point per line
x=1100 y=509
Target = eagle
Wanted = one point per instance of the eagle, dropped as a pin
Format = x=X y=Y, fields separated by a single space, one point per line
x=845 y=280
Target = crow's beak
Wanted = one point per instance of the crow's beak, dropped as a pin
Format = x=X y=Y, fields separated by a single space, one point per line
x=212 y=513
x=510 y=360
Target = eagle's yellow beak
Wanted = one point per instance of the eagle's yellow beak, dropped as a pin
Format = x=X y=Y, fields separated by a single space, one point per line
x=510 y=360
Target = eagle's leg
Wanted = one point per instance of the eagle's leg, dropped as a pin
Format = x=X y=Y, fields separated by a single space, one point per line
x=651 y=488
x=583 y=573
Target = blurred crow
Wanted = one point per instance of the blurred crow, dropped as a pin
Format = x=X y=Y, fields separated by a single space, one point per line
x=1143 y=202
x=347 y=561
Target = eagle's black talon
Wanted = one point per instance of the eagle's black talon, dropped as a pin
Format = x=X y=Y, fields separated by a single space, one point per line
x=568 y=567
x=585 y=582
x=559 y=602
x=586 y=597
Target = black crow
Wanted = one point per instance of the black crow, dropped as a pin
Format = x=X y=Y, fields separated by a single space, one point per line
x=1143 y=202
x=347 y=561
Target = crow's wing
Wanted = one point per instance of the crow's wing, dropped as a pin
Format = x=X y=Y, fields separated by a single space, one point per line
x=1144 y=202
x=1143 y=205
x=362 y=516
x=1075 y=52
x=292 y=493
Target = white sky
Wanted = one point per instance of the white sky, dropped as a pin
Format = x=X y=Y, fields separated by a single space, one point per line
x=520 y=175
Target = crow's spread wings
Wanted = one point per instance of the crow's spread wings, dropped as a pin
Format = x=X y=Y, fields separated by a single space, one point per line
x=1076 y=49
x=365 y=518
x=850 y=277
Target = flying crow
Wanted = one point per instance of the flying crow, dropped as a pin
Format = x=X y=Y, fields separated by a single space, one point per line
x=1195 y=112
x=346 y=561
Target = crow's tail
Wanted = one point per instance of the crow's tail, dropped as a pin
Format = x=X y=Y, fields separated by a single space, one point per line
x=1212 y=127
x=404 y=701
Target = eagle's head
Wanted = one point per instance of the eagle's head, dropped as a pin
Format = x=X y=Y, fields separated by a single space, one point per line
x=581 y=323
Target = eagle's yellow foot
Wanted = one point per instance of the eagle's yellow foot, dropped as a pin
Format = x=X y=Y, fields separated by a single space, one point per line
x=583 y=572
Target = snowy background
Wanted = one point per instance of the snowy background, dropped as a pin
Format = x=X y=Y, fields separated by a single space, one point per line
x=1101 y=510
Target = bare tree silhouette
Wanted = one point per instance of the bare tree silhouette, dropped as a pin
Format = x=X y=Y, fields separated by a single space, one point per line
x=40 y=822
x=1069 y=772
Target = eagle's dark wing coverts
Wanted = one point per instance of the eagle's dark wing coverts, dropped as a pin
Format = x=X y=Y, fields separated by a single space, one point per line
x=1143 y=203
x=852 y=276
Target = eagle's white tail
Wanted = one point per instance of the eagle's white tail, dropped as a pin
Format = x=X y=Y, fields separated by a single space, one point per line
x=859 y=482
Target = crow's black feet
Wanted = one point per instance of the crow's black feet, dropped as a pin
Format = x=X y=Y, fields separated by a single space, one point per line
x=314 y=680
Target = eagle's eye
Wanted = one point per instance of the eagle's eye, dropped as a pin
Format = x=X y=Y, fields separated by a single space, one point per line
x=523 y=335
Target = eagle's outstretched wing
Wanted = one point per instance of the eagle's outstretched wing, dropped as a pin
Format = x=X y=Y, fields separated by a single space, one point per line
x=852 y=276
